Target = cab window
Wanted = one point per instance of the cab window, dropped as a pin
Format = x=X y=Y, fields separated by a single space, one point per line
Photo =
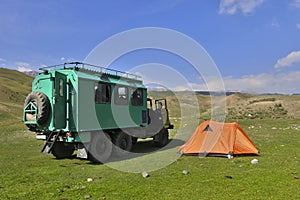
x=121 y=95
x=102 y=93
x=137 y=97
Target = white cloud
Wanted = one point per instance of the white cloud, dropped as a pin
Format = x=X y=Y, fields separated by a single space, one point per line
x=24 y=69
x=64 y=59
x=230 y=7
x=266 y=83
x=250 y=83
x=275 y=23
x=191 y=86
x=284 y=83
x=2 y=60
x=23 y=66
x=293 y=57
x=295 y=3
x=298 y=26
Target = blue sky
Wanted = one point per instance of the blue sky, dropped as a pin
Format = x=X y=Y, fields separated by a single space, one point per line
x=254 y=43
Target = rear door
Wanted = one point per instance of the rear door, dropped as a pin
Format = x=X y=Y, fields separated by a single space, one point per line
x=60 y=101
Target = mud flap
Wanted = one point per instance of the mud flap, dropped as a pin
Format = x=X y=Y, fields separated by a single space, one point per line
x=82 y=152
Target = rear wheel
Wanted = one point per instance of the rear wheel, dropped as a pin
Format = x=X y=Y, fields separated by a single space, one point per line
x=101 y=148
x=162 y=138
x=63 y=150
x=123 y=142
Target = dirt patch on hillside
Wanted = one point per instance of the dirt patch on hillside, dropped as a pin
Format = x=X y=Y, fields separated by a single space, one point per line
x=265 y=103
x=3 y=107
x=233 y=99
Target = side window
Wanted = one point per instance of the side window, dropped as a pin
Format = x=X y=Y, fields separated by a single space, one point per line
x=61 y=87
x=137 y=97
x=121 y=95
x=102 y=93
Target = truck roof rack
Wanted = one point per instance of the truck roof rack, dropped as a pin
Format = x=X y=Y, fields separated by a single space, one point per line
x=92 y=69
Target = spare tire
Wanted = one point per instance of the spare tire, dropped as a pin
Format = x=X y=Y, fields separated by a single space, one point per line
x=42 y=103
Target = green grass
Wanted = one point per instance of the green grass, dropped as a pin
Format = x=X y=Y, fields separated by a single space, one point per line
x=27 y=174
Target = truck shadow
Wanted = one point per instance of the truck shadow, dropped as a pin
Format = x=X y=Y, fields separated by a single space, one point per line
x=147 y=146
x=143 y=148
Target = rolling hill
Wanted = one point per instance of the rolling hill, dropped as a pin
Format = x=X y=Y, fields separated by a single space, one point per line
x=14 y=87
x=238 y=105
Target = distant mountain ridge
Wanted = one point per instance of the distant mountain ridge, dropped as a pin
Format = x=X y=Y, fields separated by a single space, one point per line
x=31 y=73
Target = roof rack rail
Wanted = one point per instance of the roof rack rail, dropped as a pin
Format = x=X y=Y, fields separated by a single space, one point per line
x=95 y=68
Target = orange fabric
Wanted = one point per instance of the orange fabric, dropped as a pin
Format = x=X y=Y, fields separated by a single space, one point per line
x=219 y=138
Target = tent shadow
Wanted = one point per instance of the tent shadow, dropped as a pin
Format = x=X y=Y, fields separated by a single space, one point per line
x=220 y=155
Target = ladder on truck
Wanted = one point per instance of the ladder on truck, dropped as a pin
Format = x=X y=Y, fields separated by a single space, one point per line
x=49 y=143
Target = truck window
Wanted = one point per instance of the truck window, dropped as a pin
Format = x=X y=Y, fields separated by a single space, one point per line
x=137 y=97
x=61 y=87
x=121 y=95
x=102 y=93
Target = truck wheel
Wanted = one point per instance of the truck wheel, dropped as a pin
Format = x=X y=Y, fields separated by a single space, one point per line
x=162 y=138
x=101 y=148
x=123 y=142
x=42 y=103
x=134 y=140
x=62 y=150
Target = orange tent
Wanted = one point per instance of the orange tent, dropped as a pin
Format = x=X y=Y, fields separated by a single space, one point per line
x=219 y=138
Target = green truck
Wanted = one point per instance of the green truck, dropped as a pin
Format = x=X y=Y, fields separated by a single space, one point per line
x=94 y=110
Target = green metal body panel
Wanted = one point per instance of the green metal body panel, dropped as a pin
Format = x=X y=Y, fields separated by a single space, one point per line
x=93 y=116
x=59 y=102
x=71 y=93
x=44 y=83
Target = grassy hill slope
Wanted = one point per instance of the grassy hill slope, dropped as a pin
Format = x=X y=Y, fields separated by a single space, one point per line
x=245 y=106
x=14 y=87
x=238 y=106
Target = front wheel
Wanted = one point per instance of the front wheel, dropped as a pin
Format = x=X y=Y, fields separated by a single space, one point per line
x=162 y=138
x=134 y=140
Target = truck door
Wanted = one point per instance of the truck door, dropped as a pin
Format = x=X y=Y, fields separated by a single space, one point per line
x=161 y=106
x=60 y=101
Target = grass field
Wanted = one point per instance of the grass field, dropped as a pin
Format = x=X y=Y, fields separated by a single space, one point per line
x=27 y=174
